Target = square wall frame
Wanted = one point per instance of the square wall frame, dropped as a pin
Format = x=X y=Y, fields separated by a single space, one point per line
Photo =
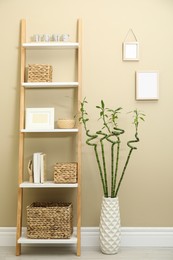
x=130 y=51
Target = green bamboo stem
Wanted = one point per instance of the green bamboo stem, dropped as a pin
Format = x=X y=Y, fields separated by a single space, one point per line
x=84 y=120
x=112 y=169
x=103 y=160
x=100 y=171
x=112 y=161
x=133 y=141
x=92 y=137
x=116 y=132
x=116 y=167
x=123 y=172
x=127 y=161
x=104 y=166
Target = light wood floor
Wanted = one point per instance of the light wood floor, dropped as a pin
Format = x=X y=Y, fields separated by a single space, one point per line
x=42 y=253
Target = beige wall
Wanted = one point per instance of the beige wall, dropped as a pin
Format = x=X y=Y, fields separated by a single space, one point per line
x=147 y=192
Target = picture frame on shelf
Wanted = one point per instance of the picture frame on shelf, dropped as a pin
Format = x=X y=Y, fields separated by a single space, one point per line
x=147 y=85
x=39 y=118
x=130 y=51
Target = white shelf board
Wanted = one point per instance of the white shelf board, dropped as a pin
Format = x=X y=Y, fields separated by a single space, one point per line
x=62 y=130
x=50 y=45
x=49 y=84
x=25 y=240
x=48 y=184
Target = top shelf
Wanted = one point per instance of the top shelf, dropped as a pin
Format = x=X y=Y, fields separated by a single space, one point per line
x=50 y=45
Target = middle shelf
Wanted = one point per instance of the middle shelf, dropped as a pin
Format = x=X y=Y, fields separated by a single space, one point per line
x=62 y=130
x=50 y=84
x=48 y=184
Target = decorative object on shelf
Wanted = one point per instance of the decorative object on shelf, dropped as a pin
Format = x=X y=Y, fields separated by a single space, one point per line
x=30 y=171
x=147 y=85
x=56 y=37
x=39 y=73
x=110 y=226
x=37 y=37
x=48 y=37
x=130 y=48
x=110 y=133
x=49 y=220
x=65 y=37
x=65 y=172
x=66 y=123
x=39 y=118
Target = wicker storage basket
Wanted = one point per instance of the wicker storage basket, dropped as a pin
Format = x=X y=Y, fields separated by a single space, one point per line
x=39 y=73
x=65 y=172
x=48 y=220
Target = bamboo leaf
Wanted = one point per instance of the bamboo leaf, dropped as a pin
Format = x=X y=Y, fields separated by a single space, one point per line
x=102 y=104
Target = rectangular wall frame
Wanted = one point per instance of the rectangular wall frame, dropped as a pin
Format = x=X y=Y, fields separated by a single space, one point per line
x=147 y=85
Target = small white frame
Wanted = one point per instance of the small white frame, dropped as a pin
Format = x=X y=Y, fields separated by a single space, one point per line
x=131 y=51
x=39 y=118
x=147 y=85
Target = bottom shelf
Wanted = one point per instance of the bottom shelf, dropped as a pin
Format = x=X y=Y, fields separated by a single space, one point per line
x=25 y=240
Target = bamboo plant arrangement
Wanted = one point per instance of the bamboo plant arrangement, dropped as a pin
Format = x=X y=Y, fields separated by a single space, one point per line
x=111 y=133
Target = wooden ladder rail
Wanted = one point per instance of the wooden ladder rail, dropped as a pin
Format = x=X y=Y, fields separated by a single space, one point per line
x=79 y=73
x=21 y=137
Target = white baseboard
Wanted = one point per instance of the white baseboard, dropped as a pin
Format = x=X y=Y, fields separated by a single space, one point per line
x=130 y=236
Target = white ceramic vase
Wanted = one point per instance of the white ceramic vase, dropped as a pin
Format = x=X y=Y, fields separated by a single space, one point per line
x=110 y=226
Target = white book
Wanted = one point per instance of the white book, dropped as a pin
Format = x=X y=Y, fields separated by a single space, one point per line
x=43 y=167
x=36 y=167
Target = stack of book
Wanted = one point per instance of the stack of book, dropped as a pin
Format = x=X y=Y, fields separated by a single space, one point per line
x=39 y=165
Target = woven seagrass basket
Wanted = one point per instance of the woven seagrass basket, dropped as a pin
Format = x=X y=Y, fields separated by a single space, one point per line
x=48 y=220
x=66 y=123
x=65 y=172
x=39 y=73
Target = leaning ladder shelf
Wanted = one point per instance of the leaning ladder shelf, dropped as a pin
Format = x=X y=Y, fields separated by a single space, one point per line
x=20 y=237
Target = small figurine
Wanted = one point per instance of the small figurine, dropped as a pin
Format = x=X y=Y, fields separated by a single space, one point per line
x=30 y=172
x=65 y=37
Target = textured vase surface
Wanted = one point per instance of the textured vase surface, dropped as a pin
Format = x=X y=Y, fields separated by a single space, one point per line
x=110 y=226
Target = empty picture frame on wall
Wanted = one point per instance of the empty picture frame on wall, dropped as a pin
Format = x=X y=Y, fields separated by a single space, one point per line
x=131 y=51
x=130 y=47
x=147 y=85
